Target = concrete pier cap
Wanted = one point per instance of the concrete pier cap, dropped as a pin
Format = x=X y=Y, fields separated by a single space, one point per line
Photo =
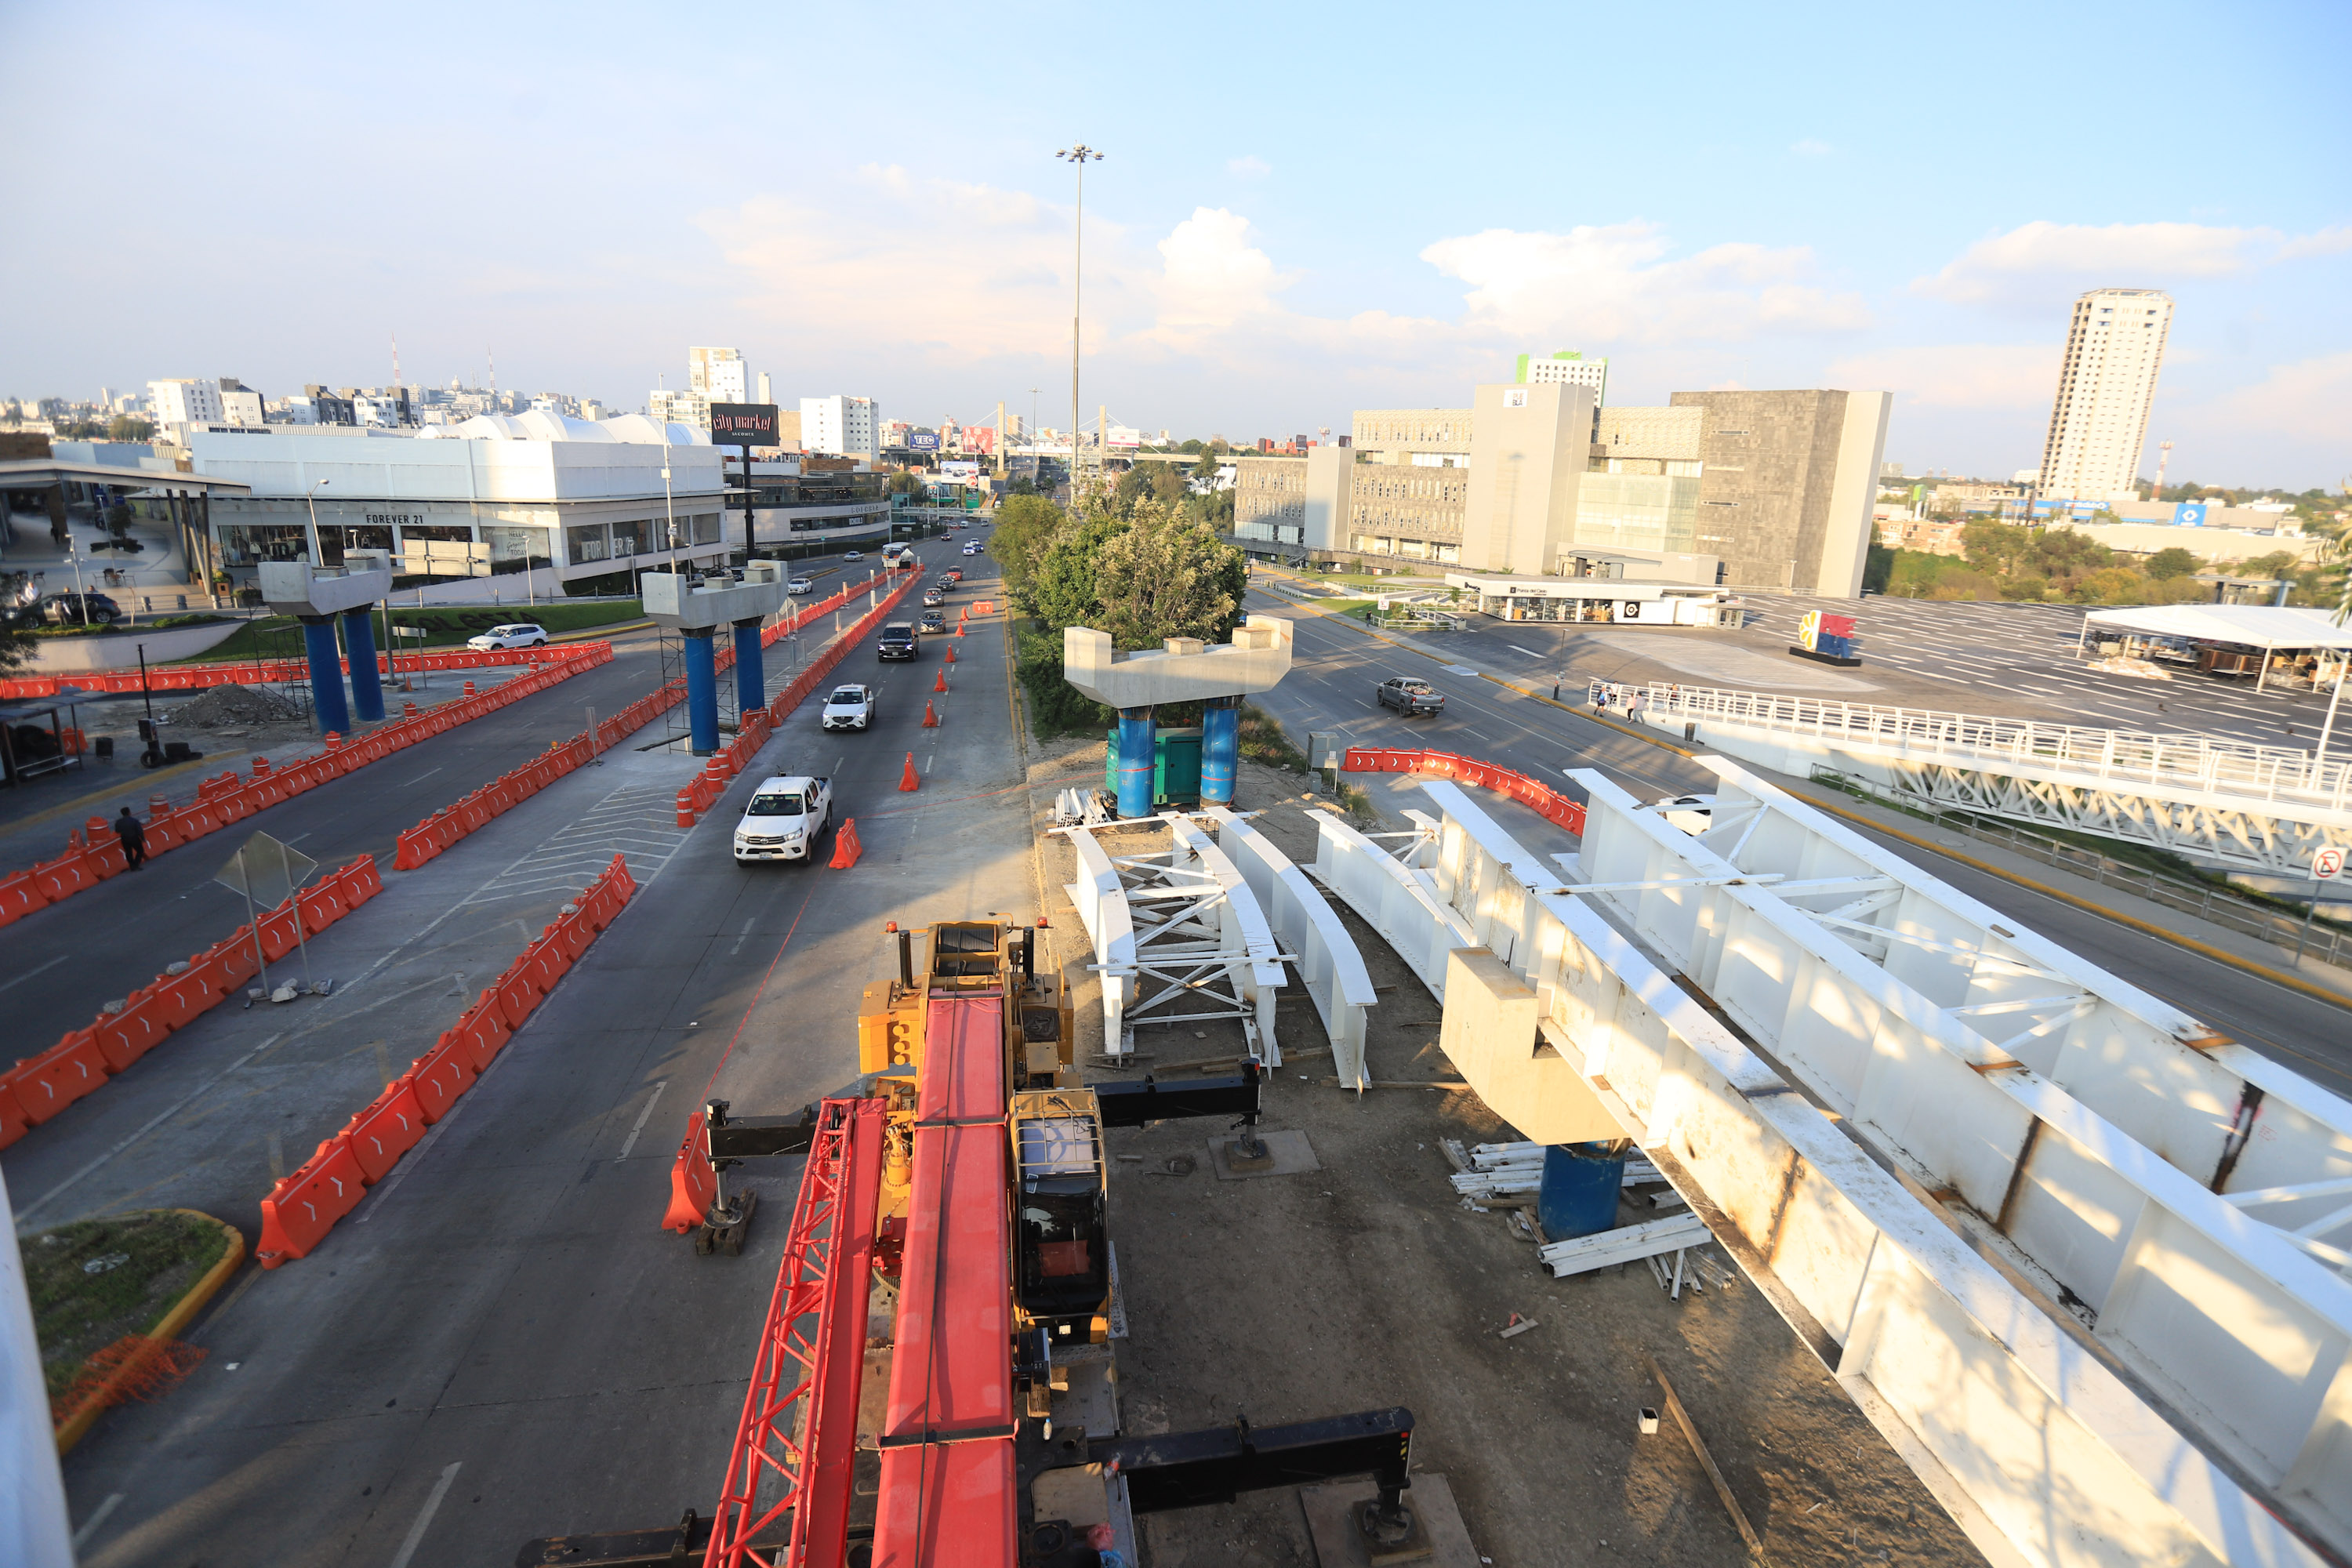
x=298 y=588
x=688 y=603
x=1185 y=670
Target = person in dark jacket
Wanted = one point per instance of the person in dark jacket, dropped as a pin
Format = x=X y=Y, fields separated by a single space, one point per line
x=133 y=834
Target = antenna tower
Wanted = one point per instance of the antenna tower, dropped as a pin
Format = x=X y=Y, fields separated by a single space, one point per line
x=2164 y=456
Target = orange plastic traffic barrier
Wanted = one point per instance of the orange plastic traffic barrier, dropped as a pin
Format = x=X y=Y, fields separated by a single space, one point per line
x=484 y=1031
x=930 y=716
x=68 y=1070
x=910 y=780
x=301 y=1209
x=361 y=881
x=517 y=995
x=20 y=895
x=940 y=681
x=322 y=904
x=278 y=931
x=239 y=962
x=123 y=1037
x=13 y=1120
x=440 y=1076
x=692 y=1182
x=386 y=1130
x=847 y=847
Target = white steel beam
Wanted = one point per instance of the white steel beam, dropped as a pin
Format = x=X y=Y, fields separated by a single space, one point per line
x=1305 y=923
x=1392 y=895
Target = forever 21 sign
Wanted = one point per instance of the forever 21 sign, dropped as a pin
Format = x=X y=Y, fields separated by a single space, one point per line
x=743 y=425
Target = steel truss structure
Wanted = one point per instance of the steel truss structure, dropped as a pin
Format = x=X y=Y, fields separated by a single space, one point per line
x=1179 y=938
x=2258 y=809
x=811 y=1353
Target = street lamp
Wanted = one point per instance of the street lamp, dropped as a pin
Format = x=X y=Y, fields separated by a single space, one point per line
x=1078 y=154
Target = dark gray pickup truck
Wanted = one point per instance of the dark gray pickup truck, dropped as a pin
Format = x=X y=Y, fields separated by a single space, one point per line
x=1409 y=696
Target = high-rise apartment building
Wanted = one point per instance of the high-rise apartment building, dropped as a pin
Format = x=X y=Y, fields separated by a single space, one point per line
x=1567 y=368
x=841 y=426
x=664 y=407
x=185 y=400
x=2105 y=383
x=720 y=376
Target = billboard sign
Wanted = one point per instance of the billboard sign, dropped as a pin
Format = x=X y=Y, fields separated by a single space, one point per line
x=2189 y=514
x=743 y=425
x=960 y=468
x=923 y=440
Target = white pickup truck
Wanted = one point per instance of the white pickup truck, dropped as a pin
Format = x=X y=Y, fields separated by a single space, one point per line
x=784 y=820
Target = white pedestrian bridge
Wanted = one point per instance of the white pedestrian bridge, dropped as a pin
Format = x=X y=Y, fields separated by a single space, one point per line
x=2250 y=807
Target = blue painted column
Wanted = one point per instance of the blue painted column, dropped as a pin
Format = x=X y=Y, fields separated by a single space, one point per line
x=326 y=675
x=1578 y=1195
x=750 y=673
x=367 y=688
x=1137 y=756
x=702 y=691
x=1220 y=749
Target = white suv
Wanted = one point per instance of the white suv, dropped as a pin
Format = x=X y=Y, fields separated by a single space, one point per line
x=522 y=634
x=800 y=584
x=849 y=708
x=786 y=816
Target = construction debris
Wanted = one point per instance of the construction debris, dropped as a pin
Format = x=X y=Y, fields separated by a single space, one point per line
x=1722 y=1487
x=234 y=704
x=1626 y=1243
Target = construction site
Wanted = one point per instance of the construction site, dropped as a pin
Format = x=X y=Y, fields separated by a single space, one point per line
x=1119 y=1151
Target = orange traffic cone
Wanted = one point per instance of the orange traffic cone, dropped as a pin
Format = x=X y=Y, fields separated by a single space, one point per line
x=940 y=682
x=910 y=779
x=950 y=654
x=930 y=717
x=959 y=628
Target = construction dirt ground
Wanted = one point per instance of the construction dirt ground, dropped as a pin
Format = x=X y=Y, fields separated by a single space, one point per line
x=1366 y=1284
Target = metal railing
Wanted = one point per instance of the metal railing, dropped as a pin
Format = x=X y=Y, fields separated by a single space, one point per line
x=2273 y=775
x=2222 y=906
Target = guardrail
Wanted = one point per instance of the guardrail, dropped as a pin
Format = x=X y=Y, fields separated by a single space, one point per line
x=2271 y=773
x=95 y=854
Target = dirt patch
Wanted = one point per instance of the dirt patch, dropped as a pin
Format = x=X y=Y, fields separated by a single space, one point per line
x=95 y=1280
x=1366 y=1284
x=242 y=705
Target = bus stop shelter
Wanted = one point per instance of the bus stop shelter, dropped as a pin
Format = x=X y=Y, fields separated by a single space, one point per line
x=2225 y=638
x=27 y=749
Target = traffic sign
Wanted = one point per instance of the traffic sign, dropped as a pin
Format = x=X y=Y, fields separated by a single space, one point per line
x=2327 y=864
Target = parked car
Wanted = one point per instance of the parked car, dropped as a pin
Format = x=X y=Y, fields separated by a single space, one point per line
x=76 y=610
x=786 y=815
x=520 y=634
x=849 y=708
x=800 y=586
x=933 y=623
x=897 y=641
x=932 y=597
x=1409 y=695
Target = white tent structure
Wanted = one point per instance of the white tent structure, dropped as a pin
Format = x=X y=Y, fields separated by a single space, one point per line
x=2268 y=627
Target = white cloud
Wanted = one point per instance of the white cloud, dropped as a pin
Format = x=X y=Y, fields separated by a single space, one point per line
x=1249 y=166
x=1809 y=148
x=2308 y=401
x=1957 y=375
x=2034 y=256
x=1618 y=283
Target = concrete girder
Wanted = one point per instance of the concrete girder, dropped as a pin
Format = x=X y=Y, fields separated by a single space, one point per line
x=1184 y=670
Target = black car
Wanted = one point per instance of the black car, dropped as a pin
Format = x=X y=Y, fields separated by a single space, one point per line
x=897 y=641
x=74 y=610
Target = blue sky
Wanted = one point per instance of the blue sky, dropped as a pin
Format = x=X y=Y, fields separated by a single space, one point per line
x=1304 y=211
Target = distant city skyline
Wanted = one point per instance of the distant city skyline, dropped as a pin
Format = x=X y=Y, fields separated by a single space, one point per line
x=1823 y=206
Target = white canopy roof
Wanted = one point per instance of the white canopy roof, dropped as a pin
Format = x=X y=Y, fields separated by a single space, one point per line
x=2251 y=625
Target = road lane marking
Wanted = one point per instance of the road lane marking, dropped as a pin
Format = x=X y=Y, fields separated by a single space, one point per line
x=422 y=777
x=643 y=1117
x=744 y=938
x=51 y=1196
x=30 y=973
x=424 y=1520
x=89 y=1526
x=1529 y=651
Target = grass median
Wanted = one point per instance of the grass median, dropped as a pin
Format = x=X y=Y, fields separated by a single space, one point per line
x=96 y=1280
x=280 y=637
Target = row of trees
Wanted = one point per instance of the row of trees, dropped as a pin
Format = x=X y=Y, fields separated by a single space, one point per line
x=2012 y=560
x=1130 y=561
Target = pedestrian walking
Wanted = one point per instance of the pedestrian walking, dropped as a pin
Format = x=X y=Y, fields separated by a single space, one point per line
x=1633 y=708
x=133 y=834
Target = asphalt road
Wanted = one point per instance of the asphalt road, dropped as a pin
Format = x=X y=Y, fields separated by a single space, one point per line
x=508 y=1346
x=1330 y=687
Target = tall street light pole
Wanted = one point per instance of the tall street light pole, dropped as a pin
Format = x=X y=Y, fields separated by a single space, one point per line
x=311 y=498
x=1078 y=154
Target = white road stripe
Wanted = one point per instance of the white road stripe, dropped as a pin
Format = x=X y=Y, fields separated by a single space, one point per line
x=424 y=1520
x=643 y=1117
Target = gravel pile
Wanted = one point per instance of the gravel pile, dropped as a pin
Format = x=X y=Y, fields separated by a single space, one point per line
x=234 y=704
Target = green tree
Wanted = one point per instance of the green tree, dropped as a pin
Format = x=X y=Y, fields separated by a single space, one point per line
x=1026 y=526
x=1061 y=591
x=1168 y=576
x=2171 y=561
x=130 y=428
x=1878 y=565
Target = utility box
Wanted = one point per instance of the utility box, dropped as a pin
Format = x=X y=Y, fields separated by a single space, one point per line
x=1175 y=766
